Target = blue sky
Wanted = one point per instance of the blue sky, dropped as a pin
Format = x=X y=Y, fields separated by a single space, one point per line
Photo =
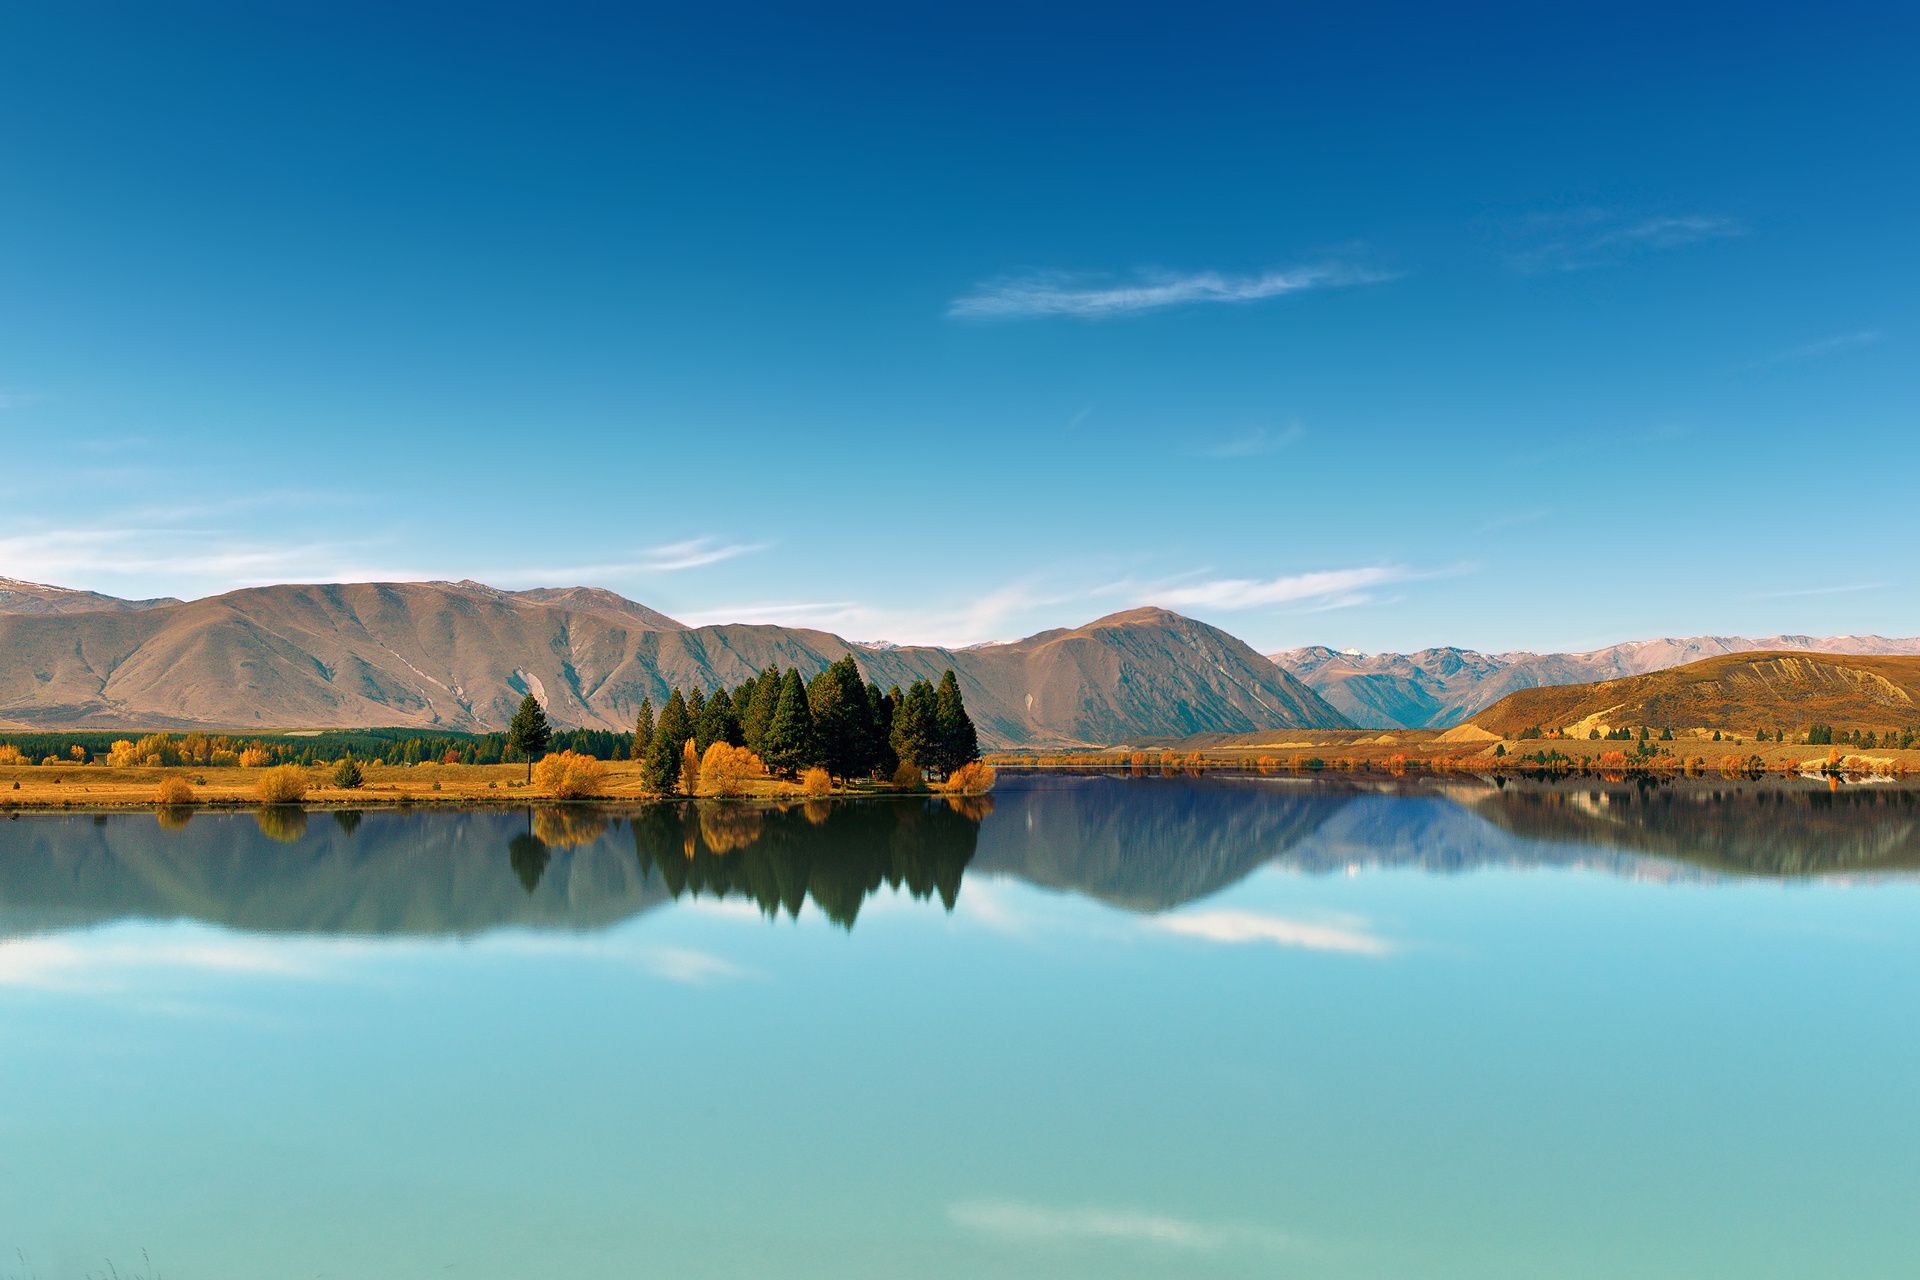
x=1372 y=325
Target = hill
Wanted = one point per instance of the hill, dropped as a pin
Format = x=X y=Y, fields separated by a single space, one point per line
x=1735 y=692
x=39 y=598
x=461 y=655
x=1441 y=687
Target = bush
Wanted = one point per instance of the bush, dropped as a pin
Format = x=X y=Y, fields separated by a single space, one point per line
x=815 y=783
x=569 y=776
x=348 y=774
x=283 y=784
x=727 y=770
x=971 y=779
x=173 y=791
x=908 y=777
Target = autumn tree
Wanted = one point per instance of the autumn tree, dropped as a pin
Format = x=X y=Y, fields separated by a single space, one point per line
x=529 y=731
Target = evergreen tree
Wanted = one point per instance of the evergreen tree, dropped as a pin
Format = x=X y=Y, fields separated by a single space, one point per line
x=528 y=733
x=761 y=703
x=880 y=718
x=955 y=740
x=661 y=768
x=715 y=722
x=696 y=704
x=788 y=744
x=914 y=728
x=642 y=731
x=842 y=721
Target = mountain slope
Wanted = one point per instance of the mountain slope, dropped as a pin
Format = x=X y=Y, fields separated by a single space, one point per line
x=1438 y=688
x=1738 y=692
x=462 y=655
x=39 y=598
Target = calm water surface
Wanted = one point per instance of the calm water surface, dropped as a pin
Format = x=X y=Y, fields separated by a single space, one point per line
x=1098 y=1028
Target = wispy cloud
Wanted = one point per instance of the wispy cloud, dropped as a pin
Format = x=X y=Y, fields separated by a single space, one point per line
x=1346 y=936
x=1594 y=238
x=690 y=967
x=695 y=553
x=1327 y=588
x=1021 y=1222
x=1844 y=589
x=1834 y=345
x=1096 y=298
x=1255 y=442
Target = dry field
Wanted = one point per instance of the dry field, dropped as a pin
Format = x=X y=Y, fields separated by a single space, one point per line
x=95 y=786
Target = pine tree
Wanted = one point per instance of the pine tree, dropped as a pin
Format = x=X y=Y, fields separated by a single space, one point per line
x=914 y=729
x=696 y=703
x=842 y=721
x=955 y=741
x=661 y=768
x=880 y=717
x=642 y=731
x=529 y=732
x=715 y=722
x=761 y=703
x=788 y=744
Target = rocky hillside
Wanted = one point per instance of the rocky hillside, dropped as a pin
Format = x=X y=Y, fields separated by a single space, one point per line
x=1438 y=688
x=461 y=655
x=1737 y=693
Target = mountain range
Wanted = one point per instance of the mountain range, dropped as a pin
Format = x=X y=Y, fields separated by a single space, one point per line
x=461 y=655
x=1439 y=688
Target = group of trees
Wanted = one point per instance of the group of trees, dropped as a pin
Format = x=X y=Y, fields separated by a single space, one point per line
x=833 y=722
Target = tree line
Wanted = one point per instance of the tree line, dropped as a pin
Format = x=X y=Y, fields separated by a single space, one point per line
x=835 y=721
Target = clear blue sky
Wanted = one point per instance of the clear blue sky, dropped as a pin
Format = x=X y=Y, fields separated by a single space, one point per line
x=1373 y=325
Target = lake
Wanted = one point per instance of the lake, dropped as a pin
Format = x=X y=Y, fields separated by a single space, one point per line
x=1091 y=1027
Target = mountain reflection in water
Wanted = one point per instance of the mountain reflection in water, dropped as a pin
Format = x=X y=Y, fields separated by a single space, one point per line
x=1146 y=845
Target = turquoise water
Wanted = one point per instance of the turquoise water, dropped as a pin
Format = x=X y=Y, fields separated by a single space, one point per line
x=1111 y=1028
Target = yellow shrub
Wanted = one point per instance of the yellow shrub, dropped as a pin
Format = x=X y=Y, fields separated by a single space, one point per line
x=728 y=770
x=255 y=757
x=172 y=791
x=908 y=777
x=975 y=779
x=815 y=782
x=282 y=785
x=569 y=775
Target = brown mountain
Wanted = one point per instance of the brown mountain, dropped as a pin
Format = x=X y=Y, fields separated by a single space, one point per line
x=1737 y=692
x=1438 y=688
x=460 y=655
x=37 y=597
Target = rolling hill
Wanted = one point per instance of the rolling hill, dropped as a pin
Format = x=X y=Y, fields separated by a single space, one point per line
x=1438 y=688
x=461 y=655
x=1735 y=692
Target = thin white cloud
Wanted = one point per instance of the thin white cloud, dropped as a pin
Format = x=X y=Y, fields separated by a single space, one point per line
x=1242 y=928
x=1061 y=294
x=690 y=967
x=111 y=964
x=1335 y=588
x=1844 y=589
x=1256 y=442
x=1834 y=345
x=1021 y=1222
x=1605 y=238
x=695 y=553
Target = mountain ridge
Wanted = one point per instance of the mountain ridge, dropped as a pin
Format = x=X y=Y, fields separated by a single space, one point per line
x=461 y=655
x=1440 y=687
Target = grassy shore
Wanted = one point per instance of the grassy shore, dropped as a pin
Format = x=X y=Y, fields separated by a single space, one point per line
x=1474 y=751
x=96 y=786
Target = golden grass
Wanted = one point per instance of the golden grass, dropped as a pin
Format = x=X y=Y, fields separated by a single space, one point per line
x=95 y=786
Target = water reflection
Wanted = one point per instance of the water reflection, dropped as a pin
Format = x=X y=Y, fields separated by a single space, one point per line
x=1148 y=845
